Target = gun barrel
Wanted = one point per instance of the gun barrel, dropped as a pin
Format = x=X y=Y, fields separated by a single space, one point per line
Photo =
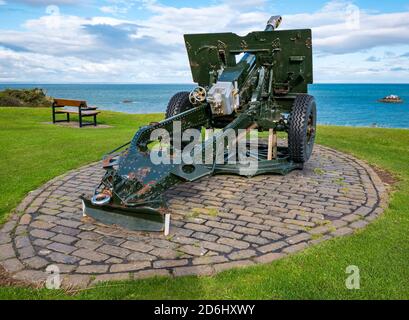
x=273 y=23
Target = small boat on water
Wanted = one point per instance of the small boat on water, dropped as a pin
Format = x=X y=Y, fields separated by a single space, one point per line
x=391 y=99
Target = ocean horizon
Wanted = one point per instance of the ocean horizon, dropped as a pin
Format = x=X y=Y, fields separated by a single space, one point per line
x=338 y=103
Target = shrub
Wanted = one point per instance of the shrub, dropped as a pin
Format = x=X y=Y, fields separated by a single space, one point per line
x=24 y=98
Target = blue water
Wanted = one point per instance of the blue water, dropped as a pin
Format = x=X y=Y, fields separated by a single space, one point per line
x=338 y=104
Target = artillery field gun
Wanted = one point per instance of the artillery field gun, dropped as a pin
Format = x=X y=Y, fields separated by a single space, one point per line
x=258 y=81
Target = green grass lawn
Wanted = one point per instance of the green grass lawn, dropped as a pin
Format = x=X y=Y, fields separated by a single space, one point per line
x=33 y=153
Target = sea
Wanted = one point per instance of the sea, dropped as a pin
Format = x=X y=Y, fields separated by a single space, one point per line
x=338 y=104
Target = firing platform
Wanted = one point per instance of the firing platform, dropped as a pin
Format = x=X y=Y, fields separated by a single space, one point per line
x=218 y=223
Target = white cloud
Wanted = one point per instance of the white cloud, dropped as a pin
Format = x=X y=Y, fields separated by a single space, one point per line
x=114 y=49
x=50 y=2
x=333 y=35
x=118 y=7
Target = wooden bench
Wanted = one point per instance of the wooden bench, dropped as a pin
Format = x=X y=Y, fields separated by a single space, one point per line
x=83 y=111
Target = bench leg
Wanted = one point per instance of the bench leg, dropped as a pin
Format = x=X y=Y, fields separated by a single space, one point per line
x=53 y=115
x=95 y=120
x=80 y=117
x=68 y=117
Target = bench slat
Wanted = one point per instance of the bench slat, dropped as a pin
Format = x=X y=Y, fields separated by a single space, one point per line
x=69 y=103
x=76 y=112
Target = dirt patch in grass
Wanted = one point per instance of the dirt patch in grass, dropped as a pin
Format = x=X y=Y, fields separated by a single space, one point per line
x=75 y=125
x=386 y=177
x=7 y=281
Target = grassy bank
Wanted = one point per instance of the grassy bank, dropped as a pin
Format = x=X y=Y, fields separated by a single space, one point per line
x=34 y=152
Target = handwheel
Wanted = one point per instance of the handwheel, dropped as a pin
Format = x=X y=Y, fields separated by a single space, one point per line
x=302 y=130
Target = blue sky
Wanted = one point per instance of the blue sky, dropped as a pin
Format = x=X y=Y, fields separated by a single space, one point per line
x=141 y=41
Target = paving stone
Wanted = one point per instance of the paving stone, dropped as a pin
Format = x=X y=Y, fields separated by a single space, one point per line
x=63 y=258
x=193 y=250
x=295 y=247
x=12 y=265
x=33 y=276
x=36 y=263
x=151 y=273
x=270 y=235
x=114 y=260
x=85 y=262
x=204 y=236
x=137 y=246
x=220 y=225
x=4 y=238
x=242 y=254
x=170 y=263
x=363 y=211
x=127 y=267
x=25 y=219
x=234 y=243
x=66 y=230
x=299 y=222
x=342 y=232
x=284 y=231
x=92 y=269
x=26 y=252
x=246 y=231
x=197 y=227
x=320 y=230
x=272 y=247
x=298 y=238
x=62 y=238
x=49 y=211
x=203 y=270
x=351 y=217
x=112 y=241
x=60 y=247
x=87 y=227
x=164 y=253
x=114 y=251
x=88 y=244
x=163 y=244
x=65 y=268
x=90 y=255
x=209 y=260
x=40 y=224
x=216 y=247
x=359 y=224
x=43 y=234
x=22 y=241
x=225 y=233
x=256 y=240
x=140 y=256
x=8 y=226
x=68 y=223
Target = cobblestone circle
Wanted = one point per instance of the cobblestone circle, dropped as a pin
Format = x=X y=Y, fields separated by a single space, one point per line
x=218 y=223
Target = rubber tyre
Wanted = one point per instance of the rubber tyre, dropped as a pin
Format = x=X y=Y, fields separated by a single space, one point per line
x=178 y=103
x=303 y=123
